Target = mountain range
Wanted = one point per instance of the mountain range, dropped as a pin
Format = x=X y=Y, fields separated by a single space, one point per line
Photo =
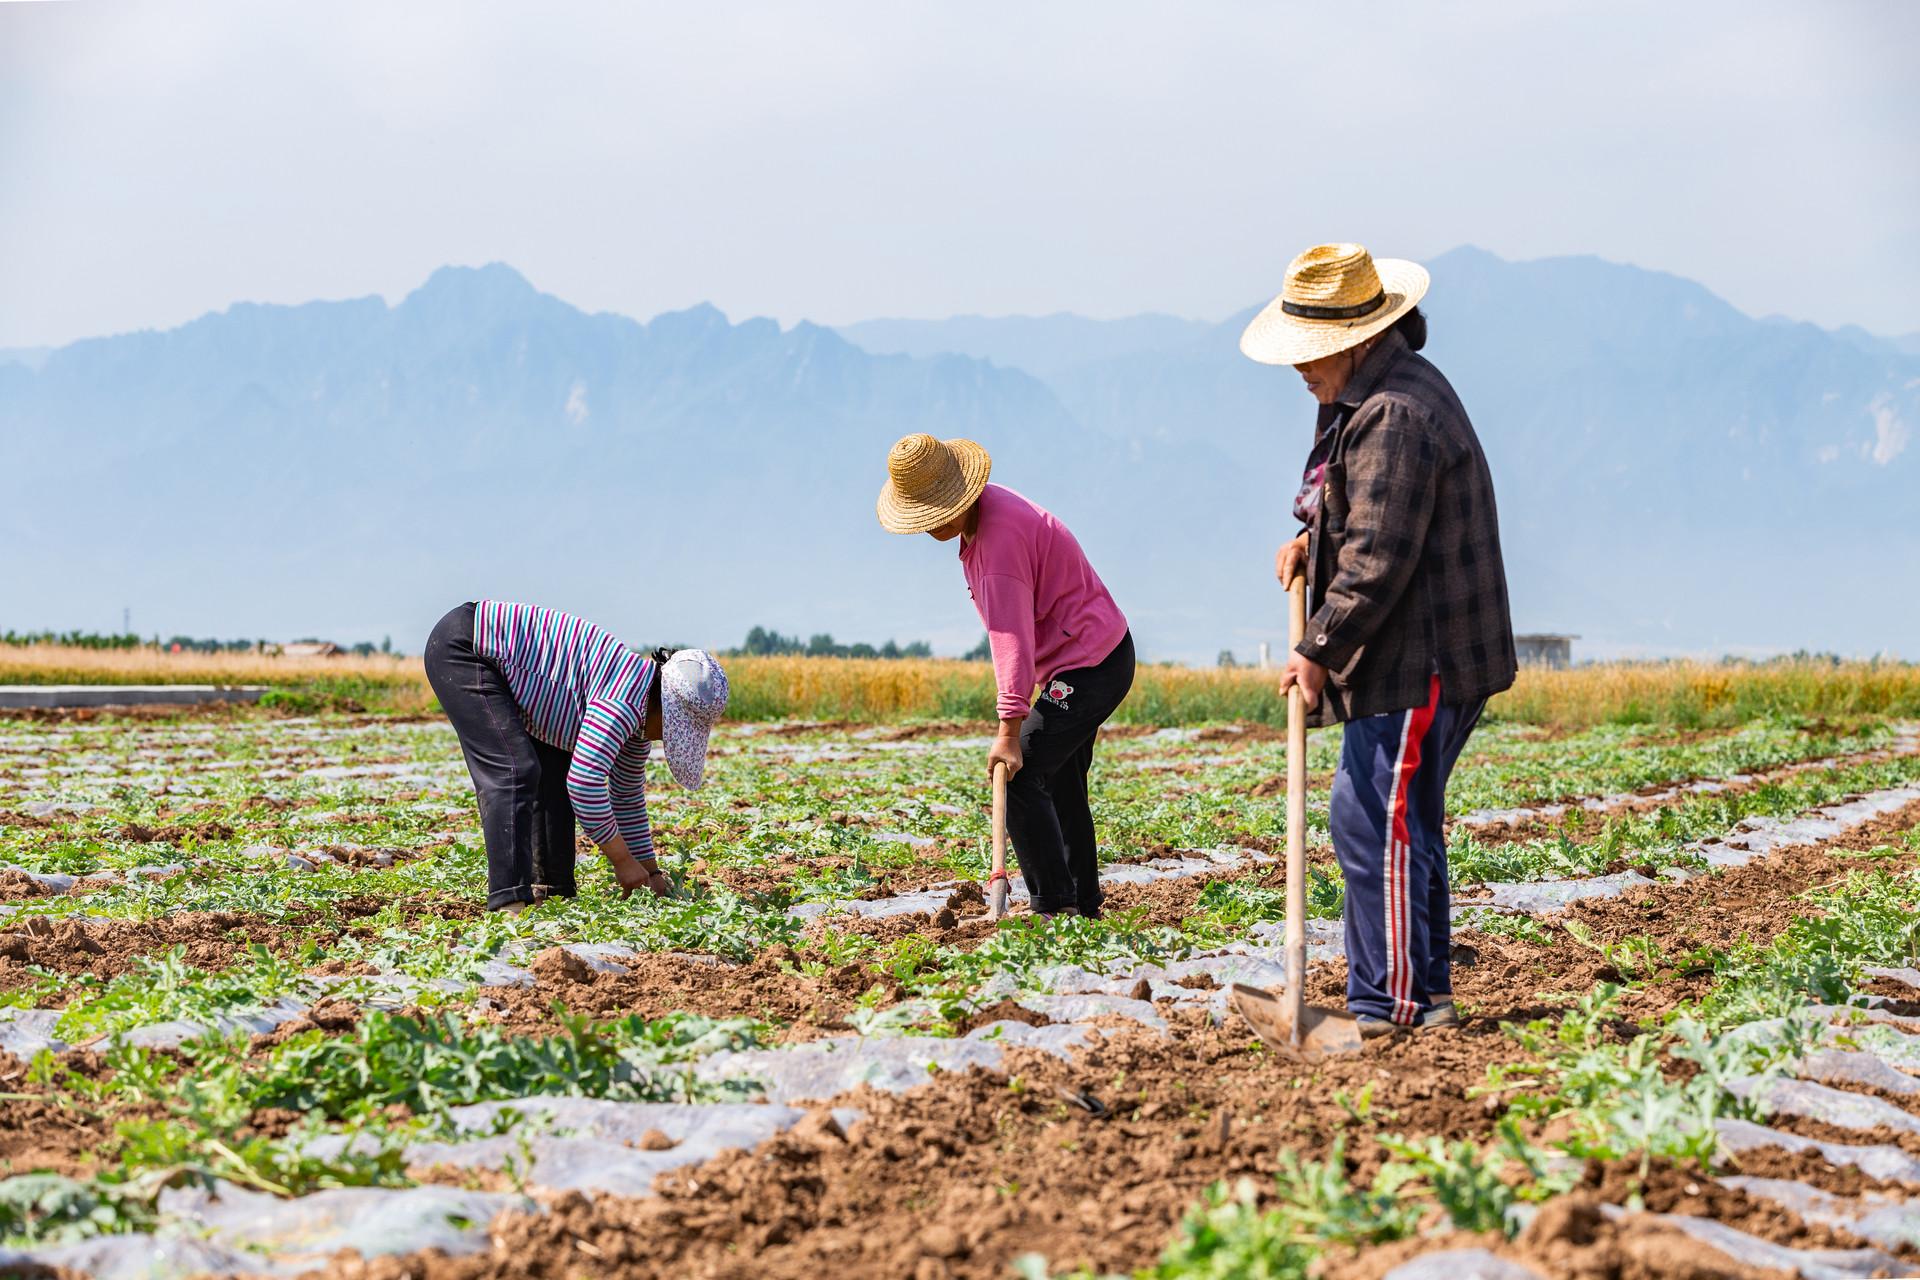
x=1673 y=475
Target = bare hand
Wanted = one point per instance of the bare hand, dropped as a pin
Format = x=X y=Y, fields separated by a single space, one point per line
x=634 y=874
x=1290 y=561
x=1308 y=674
x=1006 y=750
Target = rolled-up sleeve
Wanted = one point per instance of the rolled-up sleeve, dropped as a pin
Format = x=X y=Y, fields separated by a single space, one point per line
x=1393 y=459
x=607 y=781
x=1006 y=607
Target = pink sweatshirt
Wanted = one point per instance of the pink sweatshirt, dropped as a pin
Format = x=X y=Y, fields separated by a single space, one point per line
x=1045 y=608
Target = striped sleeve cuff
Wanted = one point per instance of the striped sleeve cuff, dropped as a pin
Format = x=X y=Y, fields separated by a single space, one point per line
x=627 y=787
x=596 y=759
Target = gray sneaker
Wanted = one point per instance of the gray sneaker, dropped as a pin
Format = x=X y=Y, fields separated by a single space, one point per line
x=1441 y=1014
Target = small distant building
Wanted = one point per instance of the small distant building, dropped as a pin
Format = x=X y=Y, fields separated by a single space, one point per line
x=1544 y=650
x=311 y=649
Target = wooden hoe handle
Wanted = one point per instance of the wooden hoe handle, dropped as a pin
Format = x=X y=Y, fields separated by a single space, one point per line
x=1296 y=814
x=999 y=818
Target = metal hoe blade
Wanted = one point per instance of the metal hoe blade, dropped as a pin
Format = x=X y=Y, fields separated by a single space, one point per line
x=1313 y=1036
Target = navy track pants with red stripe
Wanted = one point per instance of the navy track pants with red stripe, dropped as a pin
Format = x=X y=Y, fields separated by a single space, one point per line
x=1388 y=805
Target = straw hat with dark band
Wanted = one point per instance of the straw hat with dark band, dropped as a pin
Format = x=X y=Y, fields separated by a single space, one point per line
x=1336 y=296
x=929 y=482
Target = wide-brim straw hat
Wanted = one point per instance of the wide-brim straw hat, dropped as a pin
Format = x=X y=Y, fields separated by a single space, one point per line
x=929 y=482
x=1336 y=296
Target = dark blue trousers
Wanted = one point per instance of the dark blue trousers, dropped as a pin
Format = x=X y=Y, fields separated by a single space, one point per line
x=1388 y=806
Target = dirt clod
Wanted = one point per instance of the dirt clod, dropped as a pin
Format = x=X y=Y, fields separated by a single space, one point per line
x=557 y=964
x=942 y=1241
x=819 y=1129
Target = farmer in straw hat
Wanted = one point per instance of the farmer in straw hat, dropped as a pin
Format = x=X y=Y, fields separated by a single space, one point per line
x=1049 y=620
x=1408 y=633
x=555 y=718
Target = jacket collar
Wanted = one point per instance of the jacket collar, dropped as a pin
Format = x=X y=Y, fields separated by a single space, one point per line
x=1373 y=371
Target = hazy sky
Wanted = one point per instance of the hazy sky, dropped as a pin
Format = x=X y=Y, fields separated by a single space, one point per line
x=847 y=160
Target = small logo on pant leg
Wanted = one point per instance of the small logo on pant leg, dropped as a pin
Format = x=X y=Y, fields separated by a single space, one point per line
x=1058 y=691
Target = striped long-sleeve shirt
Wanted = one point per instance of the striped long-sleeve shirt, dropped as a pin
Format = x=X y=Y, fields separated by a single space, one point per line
x=583 y=691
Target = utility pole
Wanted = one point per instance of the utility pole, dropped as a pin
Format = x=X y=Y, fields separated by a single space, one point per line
x=126 y=620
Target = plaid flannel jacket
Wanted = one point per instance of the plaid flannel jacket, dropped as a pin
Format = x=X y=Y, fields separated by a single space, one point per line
x=1405 y=576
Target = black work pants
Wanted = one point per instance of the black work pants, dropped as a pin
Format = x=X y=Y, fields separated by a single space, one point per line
x=525 y=812
x=1049 y=819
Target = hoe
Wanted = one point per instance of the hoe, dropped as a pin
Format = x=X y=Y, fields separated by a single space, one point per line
x=1286 y=1022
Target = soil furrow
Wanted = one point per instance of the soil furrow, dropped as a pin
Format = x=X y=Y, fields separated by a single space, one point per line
x=1002 y=1153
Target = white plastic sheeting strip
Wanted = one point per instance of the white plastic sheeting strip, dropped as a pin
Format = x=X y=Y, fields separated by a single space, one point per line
x=823 y=1068
x=1462 y=1264
x=1906 y=741
x=1753 y=838
x=311 y=1228
x=1876 y=1160
x=1761 y=836
x=595 y=1146
x=230 y=1230
x=933 y=898
x=1876 y=1218
x=1809 y=1264
x=1824 y=1103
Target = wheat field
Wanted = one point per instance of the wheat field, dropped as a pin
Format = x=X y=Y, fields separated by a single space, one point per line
x=879 y=691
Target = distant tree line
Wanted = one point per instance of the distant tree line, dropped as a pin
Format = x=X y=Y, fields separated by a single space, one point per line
x=766 y=642
x=187 y=644
x=173 y=644
x=74 y=639
x=95 y=640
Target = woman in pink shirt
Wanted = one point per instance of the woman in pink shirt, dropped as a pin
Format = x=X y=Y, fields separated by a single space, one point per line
x=1051 y=622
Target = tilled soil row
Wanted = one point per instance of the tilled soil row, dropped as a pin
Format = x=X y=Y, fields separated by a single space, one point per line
x=1753 y=901
x=772 y=986
x=773 y=875
x=955 y=1178
x=209 y=940
x=44 y=1127
x=1165 y=899
x=103 y=948
x=1507 y=979
x=1706 y=912
x=656 y=985
x=1659 y=795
